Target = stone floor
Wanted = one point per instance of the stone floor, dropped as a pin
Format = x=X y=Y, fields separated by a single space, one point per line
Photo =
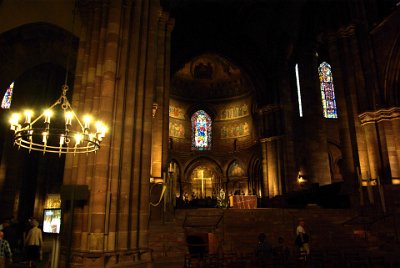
x=334 y=239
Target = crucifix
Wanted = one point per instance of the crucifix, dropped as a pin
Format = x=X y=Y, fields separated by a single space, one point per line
x=200 y=176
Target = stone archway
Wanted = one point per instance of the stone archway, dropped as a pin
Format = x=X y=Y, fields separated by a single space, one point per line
x=202 y=182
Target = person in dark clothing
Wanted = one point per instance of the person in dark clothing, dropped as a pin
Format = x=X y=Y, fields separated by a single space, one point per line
x=263 y=250
x=281 y=252
x=5 y=251
x=10 y=231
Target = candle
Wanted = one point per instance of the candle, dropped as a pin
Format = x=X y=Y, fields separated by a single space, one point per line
x=68 y=118
x=47 y=115
x=78 y=138
x=62 y=138
x=87 y=120
x=14 y=121
x=44 y=137
x=28 y=116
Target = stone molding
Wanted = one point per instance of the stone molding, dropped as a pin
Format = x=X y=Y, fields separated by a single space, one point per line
x=380 y=115
x=269 y=108
x=273 y=138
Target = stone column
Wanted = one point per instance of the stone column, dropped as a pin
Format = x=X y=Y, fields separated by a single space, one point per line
x=346 y=101
x=380 y=127
x=395 y=159
x=272 y=159
x=160 y=139
x=159 y=145
x=372 y=149
x=116 y=82
x=314 y=155
x=288 y=143
x=264 y=163
x=273 y=168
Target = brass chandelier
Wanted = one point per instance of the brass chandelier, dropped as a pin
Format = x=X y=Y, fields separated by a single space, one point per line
x=49 y=133
x=39 y=134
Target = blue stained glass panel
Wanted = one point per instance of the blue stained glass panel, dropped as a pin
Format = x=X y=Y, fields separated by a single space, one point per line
x=6 y=102
x=327 y=90
x=201 y=131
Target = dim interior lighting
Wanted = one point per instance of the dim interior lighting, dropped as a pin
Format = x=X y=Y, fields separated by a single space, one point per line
x=44 y=134
x=300 y=179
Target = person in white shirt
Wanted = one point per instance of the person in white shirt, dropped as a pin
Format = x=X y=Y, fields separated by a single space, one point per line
x=302 y=238
x=33 y=243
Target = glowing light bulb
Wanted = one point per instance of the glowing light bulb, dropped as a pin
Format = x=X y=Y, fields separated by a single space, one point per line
x=28 y=116
x=68 y=118
x=78 y=139
x=86 y=120
x=47 y=116
x=14 y=121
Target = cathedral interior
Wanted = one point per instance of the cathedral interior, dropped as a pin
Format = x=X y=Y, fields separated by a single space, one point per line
x=225 y=119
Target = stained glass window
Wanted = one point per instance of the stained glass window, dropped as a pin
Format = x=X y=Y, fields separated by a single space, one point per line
x=201 y=131
x=6 y=102
x=327 y=90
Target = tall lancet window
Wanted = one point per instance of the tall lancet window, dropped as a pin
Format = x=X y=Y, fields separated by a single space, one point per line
x=327 y=90
x=201 y=131
x=6 y=102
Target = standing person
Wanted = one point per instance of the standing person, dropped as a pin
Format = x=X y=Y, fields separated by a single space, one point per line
x=33 y=243
x=5 y=251
x=11 y=234
x=281 y=251
x=263 y=250
x=302 y=239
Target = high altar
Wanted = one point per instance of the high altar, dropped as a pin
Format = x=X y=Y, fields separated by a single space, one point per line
x=243 y=201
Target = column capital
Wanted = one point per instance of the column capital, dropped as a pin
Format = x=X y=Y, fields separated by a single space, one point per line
x=272 y=138
x=270 y=108
x=379 y=115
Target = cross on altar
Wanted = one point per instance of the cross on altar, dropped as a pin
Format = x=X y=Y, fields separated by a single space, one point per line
x=200 y=175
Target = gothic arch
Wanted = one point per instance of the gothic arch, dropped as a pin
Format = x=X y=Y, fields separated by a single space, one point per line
x=392 y=76
x=335 y=157
x=238 y=170
x=255 y=175
x=44 y=48
x=37 y=43
x=203 y=178
x=202 y=160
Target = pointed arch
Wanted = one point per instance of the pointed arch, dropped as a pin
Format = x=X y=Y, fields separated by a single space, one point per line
x=327 y=90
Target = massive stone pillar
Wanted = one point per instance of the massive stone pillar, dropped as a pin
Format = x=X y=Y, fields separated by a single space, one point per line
x=380 y=129
x=272 y=156
x=314 y=161
x=264 y=164
x=346 y=64
x=115 y=81
x=272 y=165
x=160 y=136
x=288 y=137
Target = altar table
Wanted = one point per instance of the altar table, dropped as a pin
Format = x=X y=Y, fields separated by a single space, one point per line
x=243 y=201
